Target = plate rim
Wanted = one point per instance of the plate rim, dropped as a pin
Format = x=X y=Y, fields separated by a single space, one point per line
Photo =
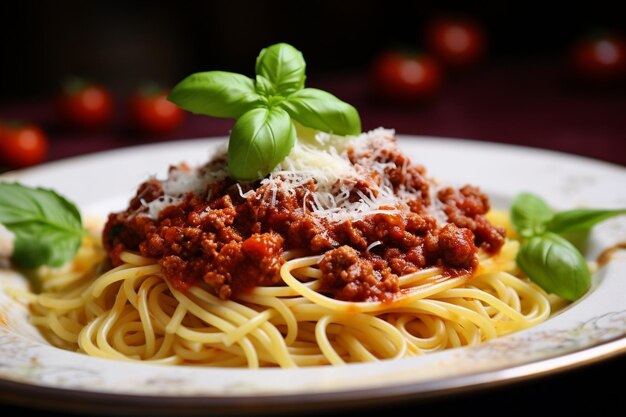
x=53 y=398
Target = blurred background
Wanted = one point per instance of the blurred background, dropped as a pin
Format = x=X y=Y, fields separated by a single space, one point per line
x=80 y=77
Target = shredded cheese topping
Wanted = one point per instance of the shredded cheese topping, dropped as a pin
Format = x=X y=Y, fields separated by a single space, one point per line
x=323 y=159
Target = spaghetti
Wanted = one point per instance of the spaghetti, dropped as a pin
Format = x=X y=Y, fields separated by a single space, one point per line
x=404 y=279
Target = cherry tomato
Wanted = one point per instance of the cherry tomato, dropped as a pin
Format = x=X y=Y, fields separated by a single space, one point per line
x=599 y=57
x=406 y=77
x=85 y=105
x=459 y=42
x=152 y=114
x=22 y=145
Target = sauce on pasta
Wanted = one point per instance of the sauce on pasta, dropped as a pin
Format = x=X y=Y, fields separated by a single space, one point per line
x=232 y=237
x=346 y=252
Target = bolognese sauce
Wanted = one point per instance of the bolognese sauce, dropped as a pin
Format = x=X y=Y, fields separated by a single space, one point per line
x=231 y=237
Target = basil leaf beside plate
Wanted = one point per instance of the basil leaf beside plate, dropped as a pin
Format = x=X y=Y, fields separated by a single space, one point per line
x=546 y=256
x=555 y=265
x=47 y=227
x=580 y=220
x=529 y=214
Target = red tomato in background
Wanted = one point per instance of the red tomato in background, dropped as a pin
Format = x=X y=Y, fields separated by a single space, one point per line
x=85 y=105
x=459 y=42
x=22 y=145
x=152 y=114
x=406 y=77
x=599 y=57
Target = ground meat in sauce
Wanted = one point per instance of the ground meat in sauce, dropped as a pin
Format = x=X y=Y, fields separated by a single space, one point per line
x=466 y=208
x=231 y=244
x=347 y=275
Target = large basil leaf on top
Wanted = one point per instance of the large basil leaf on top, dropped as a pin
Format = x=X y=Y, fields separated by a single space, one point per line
x=47 y=227
x=217 y=94
x=260 y=139
x=284 y=66
x=264 y=86
x=323 y=111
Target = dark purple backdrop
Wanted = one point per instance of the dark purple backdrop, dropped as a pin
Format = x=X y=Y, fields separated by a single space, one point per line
x=520 y=94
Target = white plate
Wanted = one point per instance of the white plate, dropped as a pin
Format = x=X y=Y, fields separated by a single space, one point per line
x=591 y=329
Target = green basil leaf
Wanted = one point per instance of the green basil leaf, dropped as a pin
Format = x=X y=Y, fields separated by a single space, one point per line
x=580 y=220
x=284 y=66
x=323 y=111
x=216 y=93
x=264 y=86
x=264 y=132
x=35 y=246
x=530 y=214
x=260 y=139
x=47 y=227
x=555 y=265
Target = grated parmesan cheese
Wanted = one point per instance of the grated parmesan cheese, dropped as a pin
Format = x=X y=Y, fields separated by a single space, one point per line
x=322 y=159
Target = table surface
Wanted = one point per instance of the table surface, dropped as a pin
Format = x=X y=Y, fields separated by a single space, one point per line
x=524 y=103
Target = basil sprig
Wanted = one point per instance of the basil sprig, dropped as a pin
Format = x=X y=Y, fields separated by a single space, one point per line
x=47 y=227
x=266 y=108
x=547 y=257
